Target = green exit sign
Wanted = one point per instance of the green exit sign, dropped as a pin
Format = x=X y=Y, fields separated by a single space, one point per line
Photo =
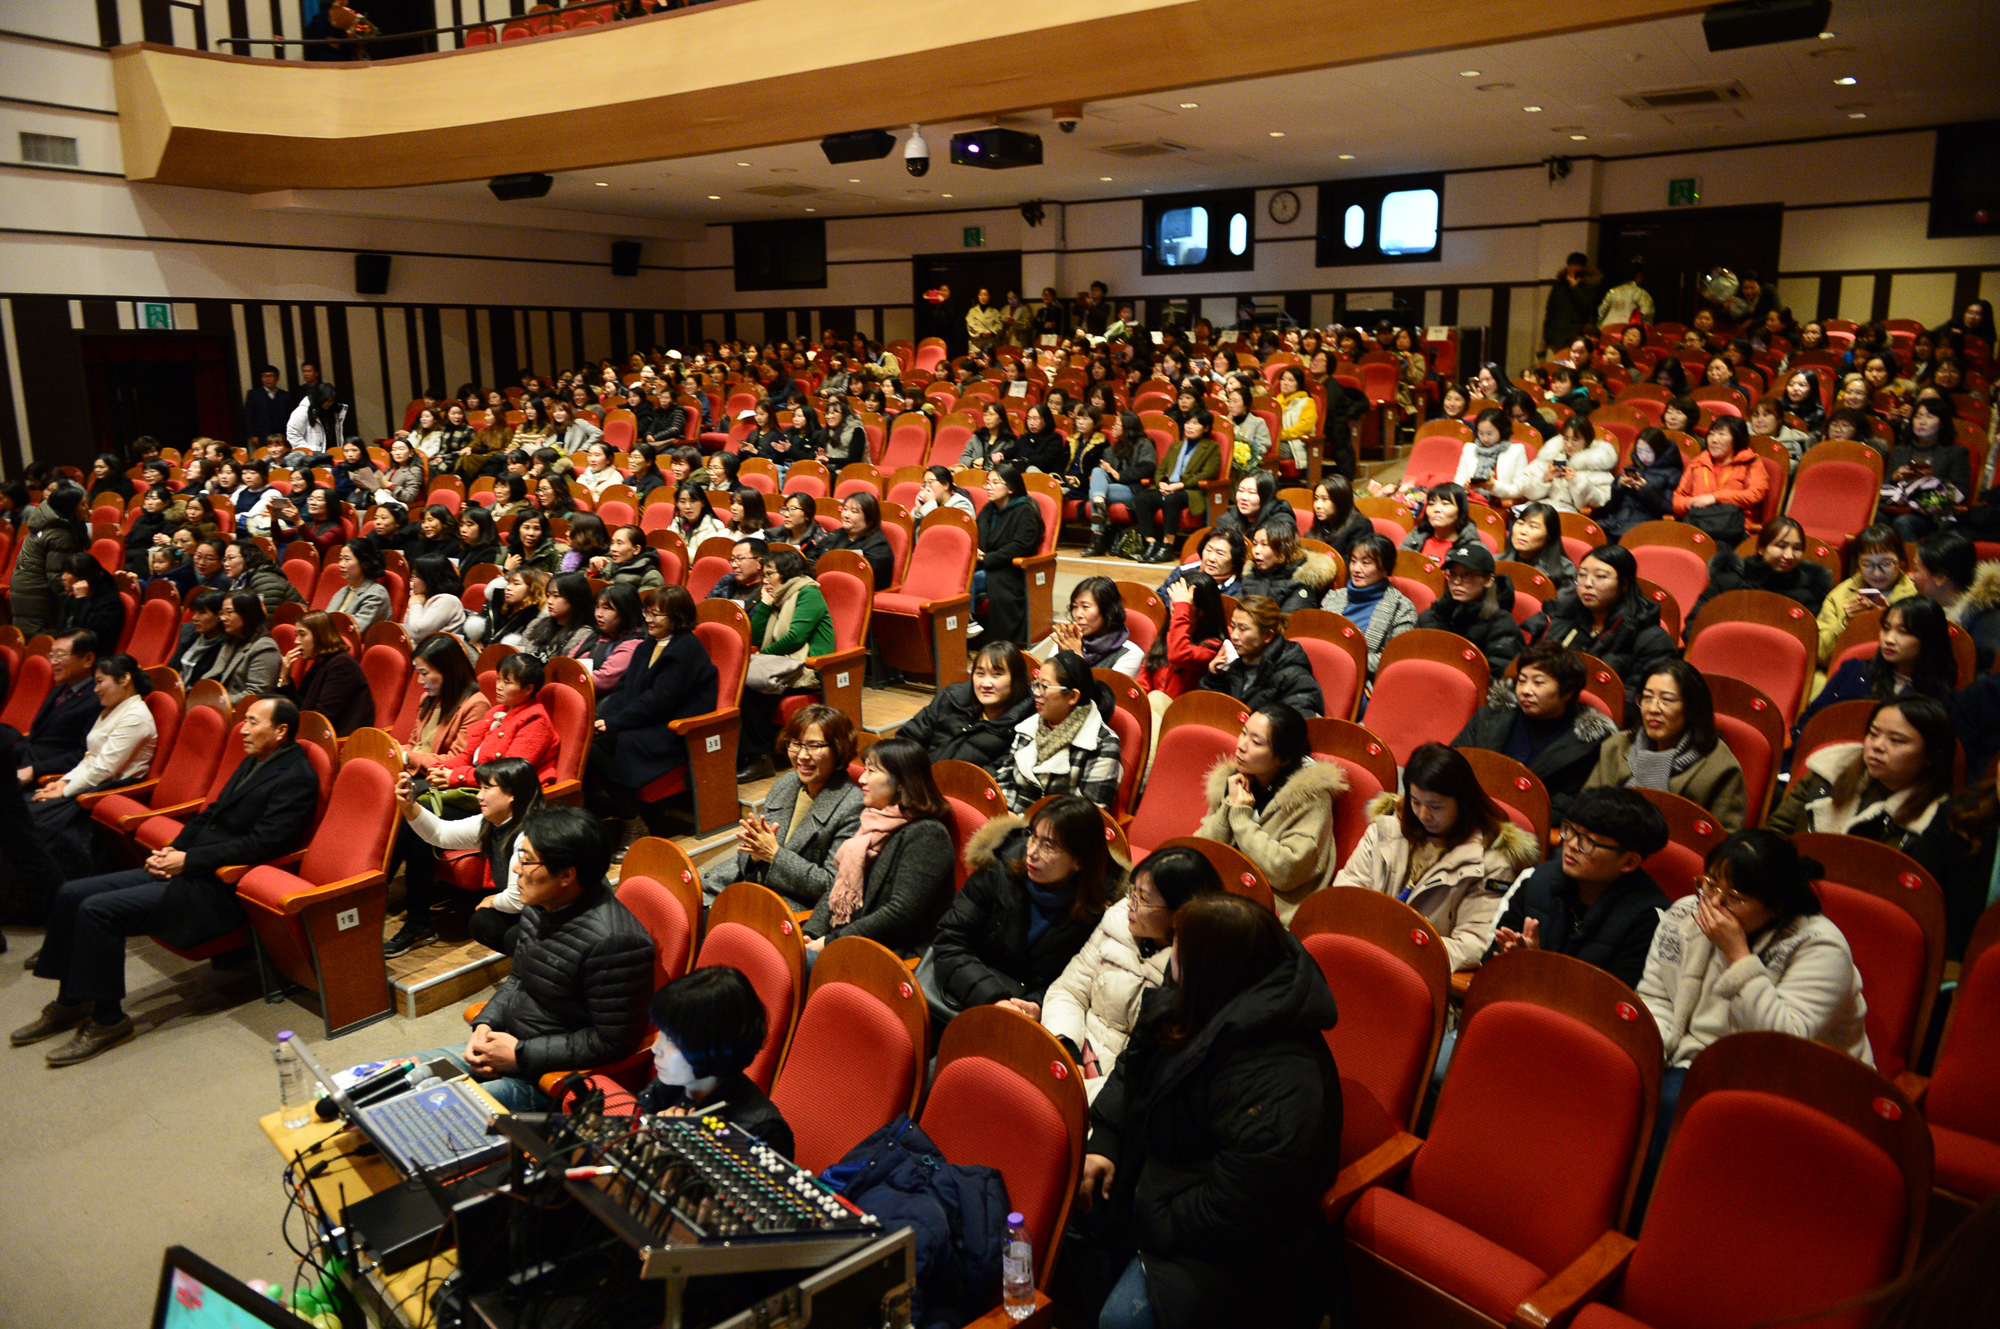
x=975 y=237
x=1683 y=193
x=156 y=316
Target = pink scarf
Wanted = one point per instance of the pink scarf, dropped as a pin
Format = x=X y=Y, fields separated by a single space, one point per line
x=851 y=860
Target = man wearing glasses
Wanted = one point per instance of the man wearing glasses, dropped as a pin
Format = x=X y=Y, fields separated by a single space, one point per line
x=1594 y=901
x=744 y=581
x=55 y=740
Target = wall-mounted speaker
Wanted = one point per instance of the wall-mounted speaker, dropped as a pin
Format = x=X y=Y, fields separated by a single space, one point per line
x=624 y=258
x=863 y=145
x=1764 y=22
x=531 y=185
x=371 y=274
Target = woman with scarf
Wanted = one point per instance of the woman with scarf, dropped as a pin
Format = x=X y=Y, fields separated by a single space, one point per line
x=789 y=621
x=893 y=878
x=1673 y=745
x=1095 y=629
x=1067 y=746
x=1493 y=463
x=1369 y=600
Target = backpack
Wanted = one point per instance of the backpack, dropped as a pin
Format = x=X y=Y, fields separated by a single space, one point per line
x=957 y=1213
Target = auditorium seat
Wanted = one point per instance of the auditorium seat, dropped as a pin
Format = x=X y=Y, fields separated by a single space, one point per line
x=1836 y=488
x=1198 y=730
x=1766 y=639
x=920 y=626
x=1427 y=686
x=1961 y=1100
x=749 y=928
x=1339 y=656
x=1518 y=790
x=974 y=799
x=1692 y=833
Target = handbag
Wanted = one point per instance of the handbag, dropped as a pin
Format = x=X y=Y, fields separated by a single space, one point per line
x=772 y=673
x=1721 y=521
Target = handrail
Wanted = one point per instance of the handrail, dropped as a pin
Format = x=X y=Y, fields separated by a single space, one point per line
x=540 y=11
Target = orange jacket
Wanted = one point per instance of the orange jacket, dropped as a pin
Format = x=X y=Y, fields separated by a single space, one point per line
x=1741 y=482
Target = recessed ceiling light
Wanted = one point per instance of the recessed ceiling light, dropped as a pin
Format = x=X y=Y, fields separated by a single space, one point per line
x=1347 y=156
x=1847 y=82
x=1532 y=110
x=1578 y=138
x=853 y=179
x=603 y=184
x=1105 y=178
x=1857 y=115
x=1277 y=133
x=742 y=163
x=1190 y=106
x=1468 y=73
x=716 y=197
x=1828 y=36
x=947 y=196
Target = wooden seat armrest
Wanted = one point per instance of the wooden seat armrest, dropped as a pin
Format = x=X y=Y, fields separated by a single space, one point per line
x=232 y=874
x=50 y=778
x=1587 y=1275
x=1913 y=1084
x=299 y=903
x=819 y=664
x=1027 y=561
x=1040 y=1318
x=561 y=789
x=1373 y=1168
x=1124 y=820
x=799 y=916
x=702 y=725
x=949 y=602
x=173 y=809
x=1461 y=982
x=96 y=796
x=471 y=1013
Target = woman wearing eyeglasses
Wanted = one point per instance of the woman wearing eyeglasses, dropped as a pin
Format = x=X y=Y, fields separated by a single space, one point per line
x=1068 y=745
x=812 y=809
x=1673 y=745
x=1036 y=891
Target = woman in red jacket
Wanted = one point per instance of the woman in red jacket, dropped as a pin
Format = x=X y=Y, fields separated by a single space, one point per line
x=517 y=726
x=1723 y=484
x=1181 y=654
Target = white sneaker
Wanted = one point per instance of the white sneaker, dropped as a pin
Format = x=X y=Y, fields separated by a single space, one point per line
x=974 y=629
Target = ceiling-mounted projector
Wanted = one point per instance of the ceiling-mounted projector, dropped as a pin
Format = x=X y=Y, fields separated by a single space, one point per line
x=532 y=185
x=996 y=149
x=863 y=145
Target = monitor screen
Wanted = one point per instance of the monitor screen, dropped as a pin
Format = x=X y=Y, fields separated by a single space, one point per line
x=194 y=1294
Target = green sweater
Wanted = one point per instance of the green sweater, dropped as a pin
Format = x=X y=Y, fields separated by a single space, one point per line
x=811 y=626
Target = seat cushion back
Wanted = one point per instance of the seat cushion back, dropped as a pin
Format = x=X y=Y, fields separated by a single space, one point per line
x=1888 y=947
x=1131 y=755
x=1753 y=753
x=1171 y=807
x=726 y=647
x=1675 y=869
x=963 y=823
x=981 y=1113
x=1832 y=499
x=387 y=671
x=166 y=727
x=227 y=761
x=1339 y=680
x=850 y=1073
x=1417 y=702
x=703 y=576
x=1965 y=1084
x=899 y=546
x=569 y=713
x=363 y=795
x=942 y=565
x=1418 y=593
x=1518 y=1062
x=847 y=603
x=1681 y=573
x=737 y=946
x=1350 y=810
x=155 y=634
x=31 y=688
x=1379 y=1041
x=907 y=447
x=1770 y=659
x=659 y=912
x=1433 y=461
x=1783 y=1210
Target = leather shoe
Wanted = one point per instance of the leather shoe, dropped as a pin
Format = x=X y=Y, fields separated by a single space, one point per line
x=411 y=935
x=54 y=1019
x=92 y=1039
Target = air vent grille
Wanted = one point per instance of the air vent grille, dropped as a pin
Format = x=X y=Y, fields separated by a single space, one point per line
x=781 y=191
x=1668 y=99
x=48 y=150
x=1159 y=147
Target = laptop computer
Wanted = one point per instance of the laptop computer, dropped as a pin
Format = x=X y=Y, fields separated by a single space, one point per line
x=437 y=1131
x=194 y=1294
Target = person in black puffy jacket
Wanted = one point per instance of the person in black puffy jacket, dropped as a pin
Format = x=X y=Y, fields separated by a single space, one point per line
x=1035 y=892
x=975 y=721
x=1606 y=615
x=1266 y=667
x=1009 y=528
x=1780 y=565
x=583 y=968
x=1477 y=606
x=1544 y=724
x=1644 y=490
x=1281 y=569
x=1219 y=1129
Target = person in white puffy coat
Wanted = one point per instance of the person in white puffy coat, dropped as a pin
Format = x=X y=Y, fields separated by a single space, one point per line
x=1574 y=471
x=1094 y=1005
x=1493 y=463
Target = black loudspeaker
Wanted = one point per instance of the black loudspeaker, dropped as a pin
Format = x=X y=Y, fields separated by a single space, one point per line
x=1764 y=22
x=624 y=258
x=863 y=145
x=371 y=274
x=996 y=149
x=533 y=185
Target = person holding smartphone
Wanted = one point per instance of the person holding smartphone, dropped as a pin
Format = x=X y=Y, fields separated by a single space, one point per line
x=1881 y=577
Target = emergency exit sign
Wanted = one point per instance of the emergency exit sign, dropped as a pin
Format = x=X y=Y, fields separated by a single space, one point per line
x=1684 y=193
x=975 y=237
x=156 y=316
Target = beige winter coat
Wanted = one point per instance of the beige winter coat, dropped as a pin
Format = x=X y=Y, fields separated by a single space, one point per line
x=1716 y=781
x=1096 y=1000
x=1291 y=842
x=1460 y=893
x=1842 y=603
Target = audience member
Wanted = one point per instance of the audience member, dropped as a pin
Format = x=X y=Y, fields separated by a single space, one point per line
x=812 y=808
x=1067 y=745
x=249 y=662
x=861 y=531
x=1274 y=804
x=1283 y=571
x=450 y=706
x=1948 y=570
x=1477 y=605
x=1179 y=658
x=1444 y=523
x=1191 y=459
x=1881 y=578
x=711 y=1027
x=789 y=624
x=672 y=679
x=1644 y=490
x=320 y=674
x=1780 y=566
x=1369 y=600
x=1545 y=724
x=975 y=721
x=1009 y=529
x=1674 y=746
x=509 y=793
x=893 y=877
x=1605 y=615
x=1913 y=656
x=1262 y=665
x=1097 y=630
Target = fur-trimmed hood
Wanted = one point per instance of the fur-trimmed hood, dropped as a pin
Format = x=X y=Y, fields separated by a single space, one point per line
x=982 y=851
x=1983 y=594
x=1316 y=571
x=1597 y=455
x=1829 y=763
x=1515 y=845
x=1312 y=781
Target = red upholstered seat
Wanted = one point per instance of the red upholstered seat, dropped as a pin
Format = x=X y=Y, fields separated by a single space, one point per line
x=387 y=670
x=1753 y=753
x=1772 y=661
x=31 y=688
x=1597 y=1315
x=1433 y=461
x=941 y=567
x=981 y=1113
x=1339 y=681
x=1420 y=701
x=659 y=911
x=1833 y=499
x=1963 y=1103
x=1131 y=752
x=908 y=445
x=738 y=946
x=947 y=444
x=1447 y=1255
x=1783 y=1210
x=1967 y=1165
x=851 y=1071
x=1675 y=869
x=155 y=633
x=1174 y=805
x=1888 y=947
x=1350 y=810
x=183 y=776
x=1380 y=1039
x=703 y=576
x=1681 y=573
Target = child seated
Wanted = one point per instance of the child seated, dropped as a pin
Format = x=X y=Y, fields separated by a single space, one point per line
x=711 y=1026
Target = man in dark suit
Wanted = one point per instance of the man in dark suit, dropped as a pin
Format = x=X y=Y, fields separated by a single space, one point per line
x=265 y=811
x=55 y=740
x=266 y=407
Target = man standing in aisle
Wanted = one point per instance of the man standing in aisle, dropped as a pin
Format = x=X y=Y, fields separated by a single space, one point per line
x=1572 y=302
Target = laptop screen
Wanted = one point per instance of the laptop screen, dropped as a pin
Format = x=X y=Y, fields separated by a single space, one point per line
x=194 y=1294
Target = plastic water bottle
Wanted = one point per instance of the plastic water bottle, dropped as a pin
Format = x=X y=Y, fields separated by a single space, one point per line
x=294 y=1098
x=1017 y=1270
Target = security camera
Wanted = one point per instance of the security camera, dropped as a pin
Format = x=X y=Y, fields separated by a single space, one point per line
x=1067 y=126
x=917 y=153
x=1066 y=117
